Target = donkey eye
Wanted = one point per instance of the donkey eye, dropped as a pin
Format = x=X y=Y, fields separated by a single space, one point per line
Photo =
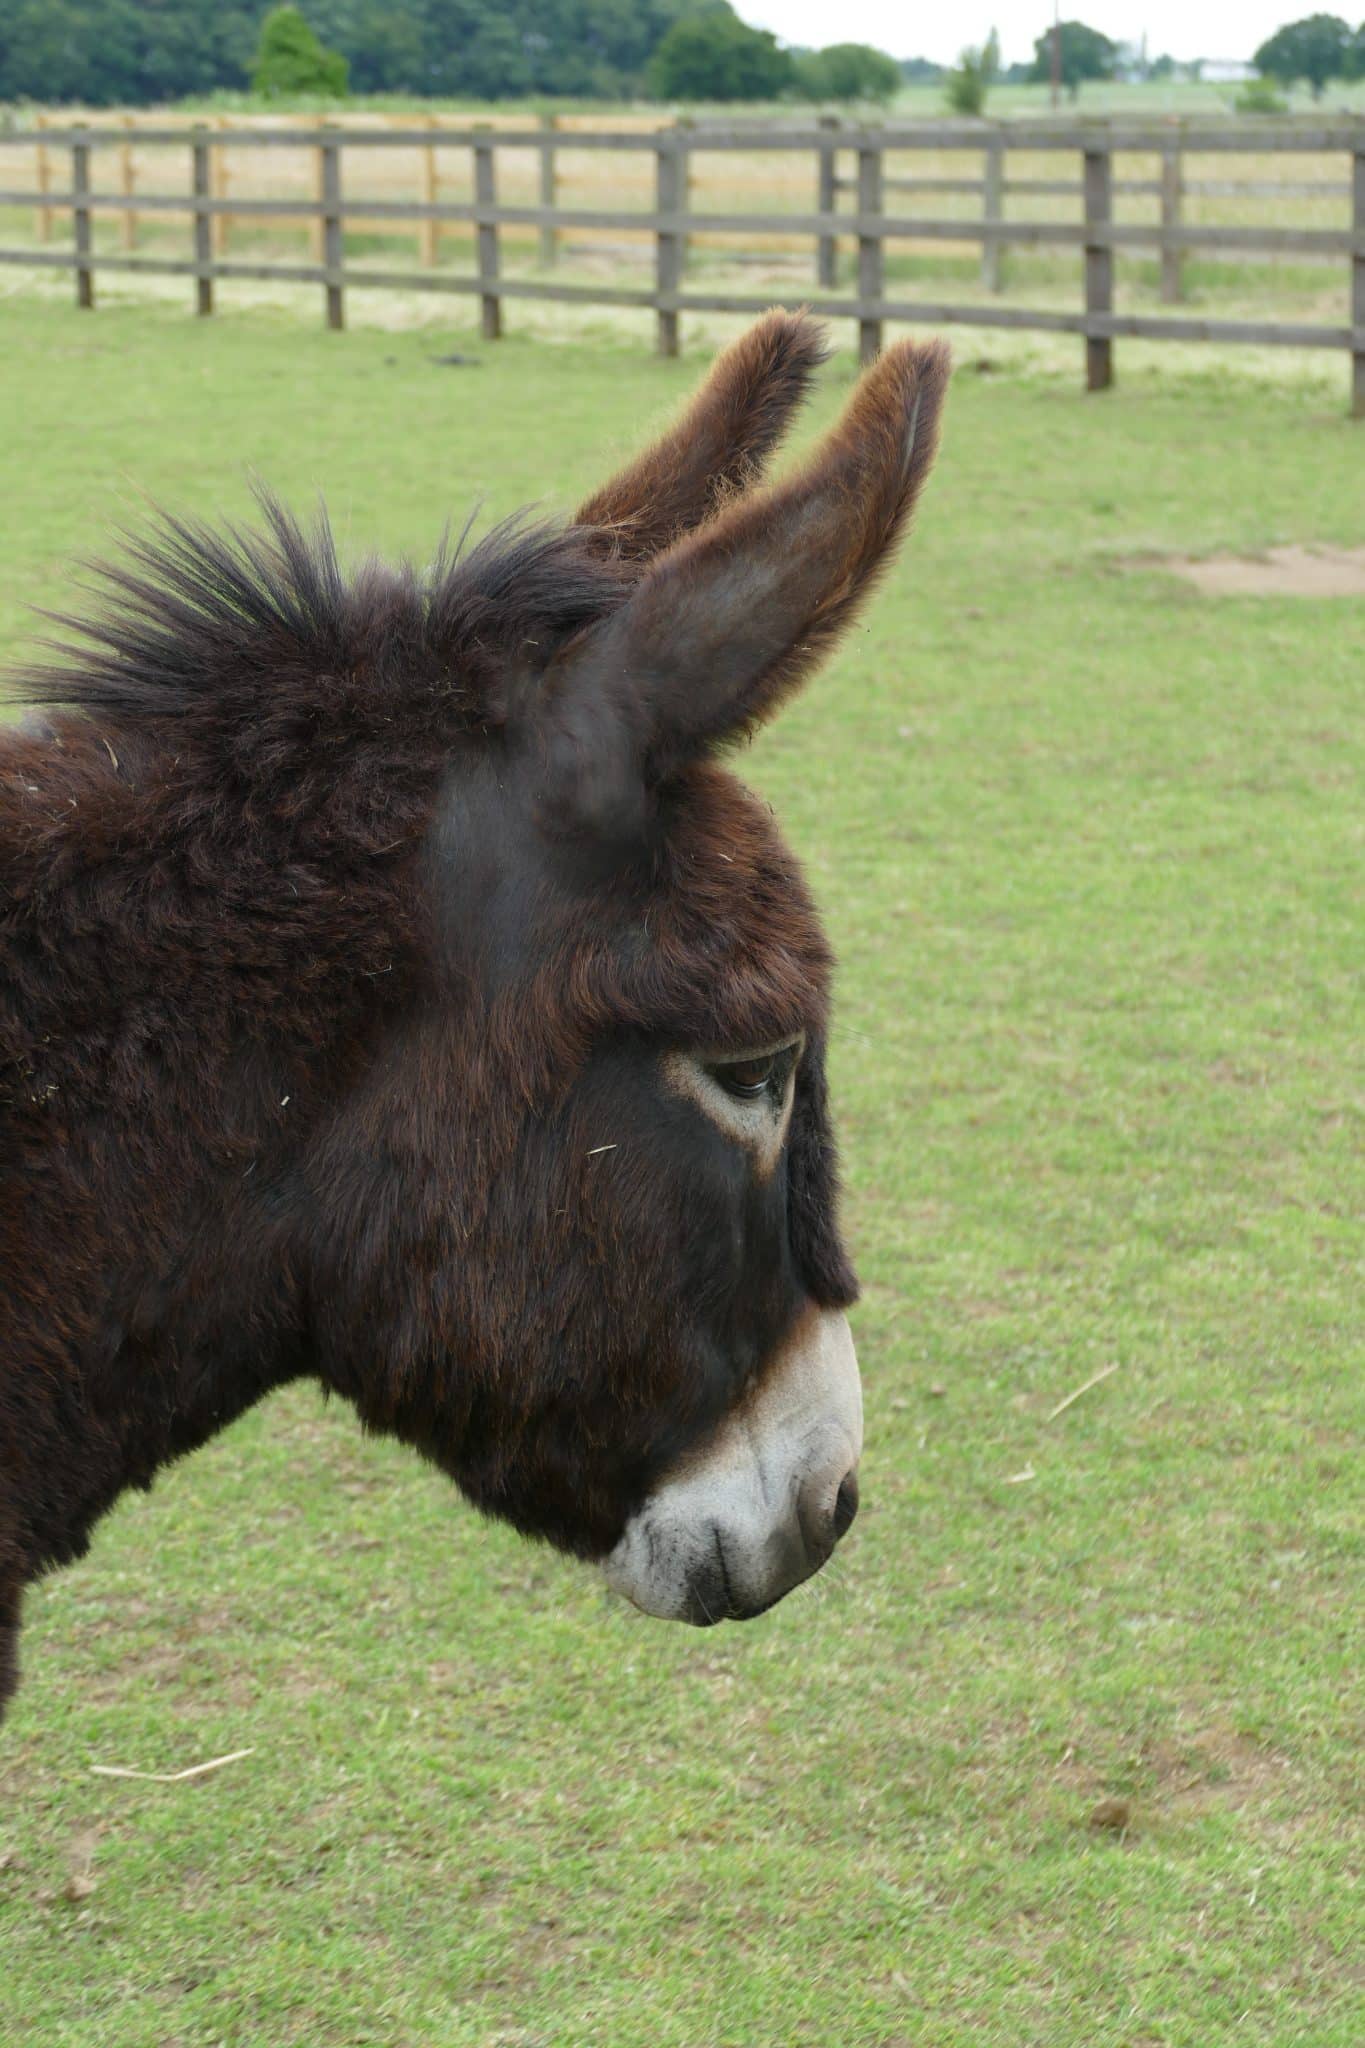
x=762 y=1074
x=747 y=1078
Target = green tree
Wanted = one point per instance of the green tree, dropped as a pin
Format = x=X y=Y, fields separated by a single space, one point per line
x=144 y=52
x=1316 y=48
x=977 y=70
x=1085 y=53
x=290 y=59
x=105 y=53
x=715 y=56
x=846 y=71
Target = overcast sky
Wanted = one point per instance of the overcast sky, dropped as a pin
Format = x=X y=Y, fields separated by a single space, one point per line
x=1185 y=28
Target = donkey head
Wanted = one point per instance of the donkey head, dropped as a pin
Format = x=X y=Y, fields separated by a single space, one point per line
x=593 y=1264
x=459 y=1027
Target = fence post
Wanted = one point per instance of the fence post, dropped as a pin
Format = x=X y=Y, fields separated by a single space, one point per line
x=1099 y=268
x=127 y=185
x=203 y=222
x=871 y=263
x=827 y=201
x=1358 y=285
x=333 y=239
x=686 y=122
x=80 y=218
x=992 y=210
x=429 y=229
x=219 y=188
x=317 y=240
x=1172 y=183
x=549 y=183
x=44 y=182
x=668 y=192
x=486 y=194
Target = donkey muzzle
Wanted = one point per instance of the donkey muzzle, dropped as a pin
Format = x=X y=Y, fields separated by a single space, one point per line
x=762 y=1505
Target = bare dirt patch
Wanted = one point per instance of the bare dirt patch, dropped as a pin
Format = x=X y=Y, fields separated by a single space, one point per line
x=1293 y=571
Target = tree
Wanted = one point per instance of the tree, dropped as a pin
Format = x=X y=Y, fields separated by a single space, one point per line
x=1316 y=48
x=290 y=59
x=846 y=71
x=1085 y=54
x=714 y=56
x=103 y=53
x=976 y=73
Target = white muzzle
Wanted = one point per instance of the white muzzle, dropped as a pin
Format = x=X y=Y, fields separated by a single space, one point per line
x=762 y=1506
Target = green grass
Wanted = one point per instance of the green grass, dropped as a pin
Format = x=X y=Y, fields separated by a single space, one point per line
x=1091 y=849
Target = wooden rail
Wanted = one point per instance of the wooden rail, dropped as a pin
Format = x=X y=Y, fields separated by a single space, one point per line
x=1096 y=236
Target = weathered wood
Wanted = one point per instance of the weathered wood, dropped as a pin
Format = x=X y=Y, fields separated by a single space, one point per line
x=1324 y=242
x=80 y=217
x=1099 y=269
x=668 y=195
x=204 y=251
x=871 y=250
x=1358 y=284
x=992 y=212
x=826 y=202
x=316 y=230
x=921 y=311
x=486 y=194
x=1263 y=188
x=43 y=168
x=127 y=178
x=220 y=186
x=549 y=188
x=333 y=235
x=1172 y=282
x=428 y=227
x=1289 y=138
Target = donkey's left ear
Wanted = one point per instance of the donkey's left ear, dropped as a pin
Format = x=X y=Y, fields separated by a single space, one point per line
x=717 y=447
x=725 y=623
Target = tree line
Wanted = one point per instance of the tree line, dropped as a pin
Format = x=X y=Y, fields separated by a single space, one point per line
x=1316 y=49
x=144 y=52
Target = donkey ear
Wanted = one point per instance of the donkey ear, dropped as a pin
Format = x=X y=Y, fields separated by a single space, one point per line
x=721 y=627
x=719 y=445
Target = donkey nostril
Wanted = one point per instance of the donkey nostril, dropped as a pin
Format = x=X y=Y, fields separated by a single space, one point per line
x=845 y=1505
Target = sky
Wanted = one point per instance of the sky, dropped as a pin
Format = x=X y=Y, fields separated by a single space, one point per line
x=1184 y=28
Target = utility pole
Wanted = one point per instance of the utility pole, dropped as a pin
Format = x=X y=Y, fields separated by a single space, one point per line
x=1056 y=53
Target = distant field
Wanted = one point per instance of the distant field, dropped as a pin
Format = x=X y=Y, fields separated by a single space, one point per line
x=1091 y=848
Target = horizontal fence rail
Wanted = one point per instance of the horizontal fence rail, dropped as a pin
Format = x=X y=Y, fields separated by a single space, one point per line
x=850 y=185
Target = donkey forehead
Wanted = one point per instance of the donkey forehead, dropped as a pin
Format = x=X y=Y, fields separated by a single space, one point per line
x=700 y=924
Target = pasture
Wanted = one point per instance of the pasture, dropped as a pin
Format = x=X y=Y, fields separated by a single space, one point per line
x=1064 y=1749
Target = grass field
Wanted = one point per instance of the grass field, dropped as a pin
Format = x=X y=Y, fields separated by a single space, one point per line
x=1092 y=851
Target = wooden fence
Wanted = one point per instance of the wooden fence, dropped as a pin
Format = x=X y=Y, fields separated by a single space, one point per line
x=1097 y=236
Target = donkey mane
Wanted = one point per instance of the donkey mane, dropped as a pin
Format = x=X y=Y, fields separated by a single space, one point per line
x=197 y=621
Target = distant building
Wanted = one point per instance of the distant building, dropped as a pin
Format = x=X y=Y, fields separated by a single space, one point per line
x=1226 y=71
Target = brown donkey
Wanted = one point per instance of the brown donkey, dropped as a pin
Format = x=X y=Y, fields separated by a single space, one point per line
x=396 y=990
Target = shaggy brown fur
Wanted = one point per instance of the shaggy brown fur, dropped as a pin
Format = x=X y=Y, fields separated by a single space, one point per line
x=342 y=923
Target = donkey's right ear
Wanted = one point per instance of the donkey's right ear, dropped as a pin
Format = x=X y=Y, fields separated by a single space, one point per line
x=719 y=445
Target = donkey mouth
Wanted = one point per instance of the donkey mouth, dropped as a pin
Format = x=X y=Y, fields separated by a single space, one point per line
x=761 y=1509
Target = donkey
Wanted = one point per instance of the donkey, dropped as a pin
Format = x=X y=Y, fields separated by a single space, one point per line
x=396 y=990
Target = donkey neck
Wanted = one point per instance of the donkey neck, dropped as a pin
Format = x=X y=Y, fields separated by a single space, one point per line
x=182 y=990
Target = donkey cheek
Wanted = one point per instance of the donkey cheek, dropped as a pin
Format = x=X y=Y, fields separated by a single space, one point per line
x=738 y=1524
